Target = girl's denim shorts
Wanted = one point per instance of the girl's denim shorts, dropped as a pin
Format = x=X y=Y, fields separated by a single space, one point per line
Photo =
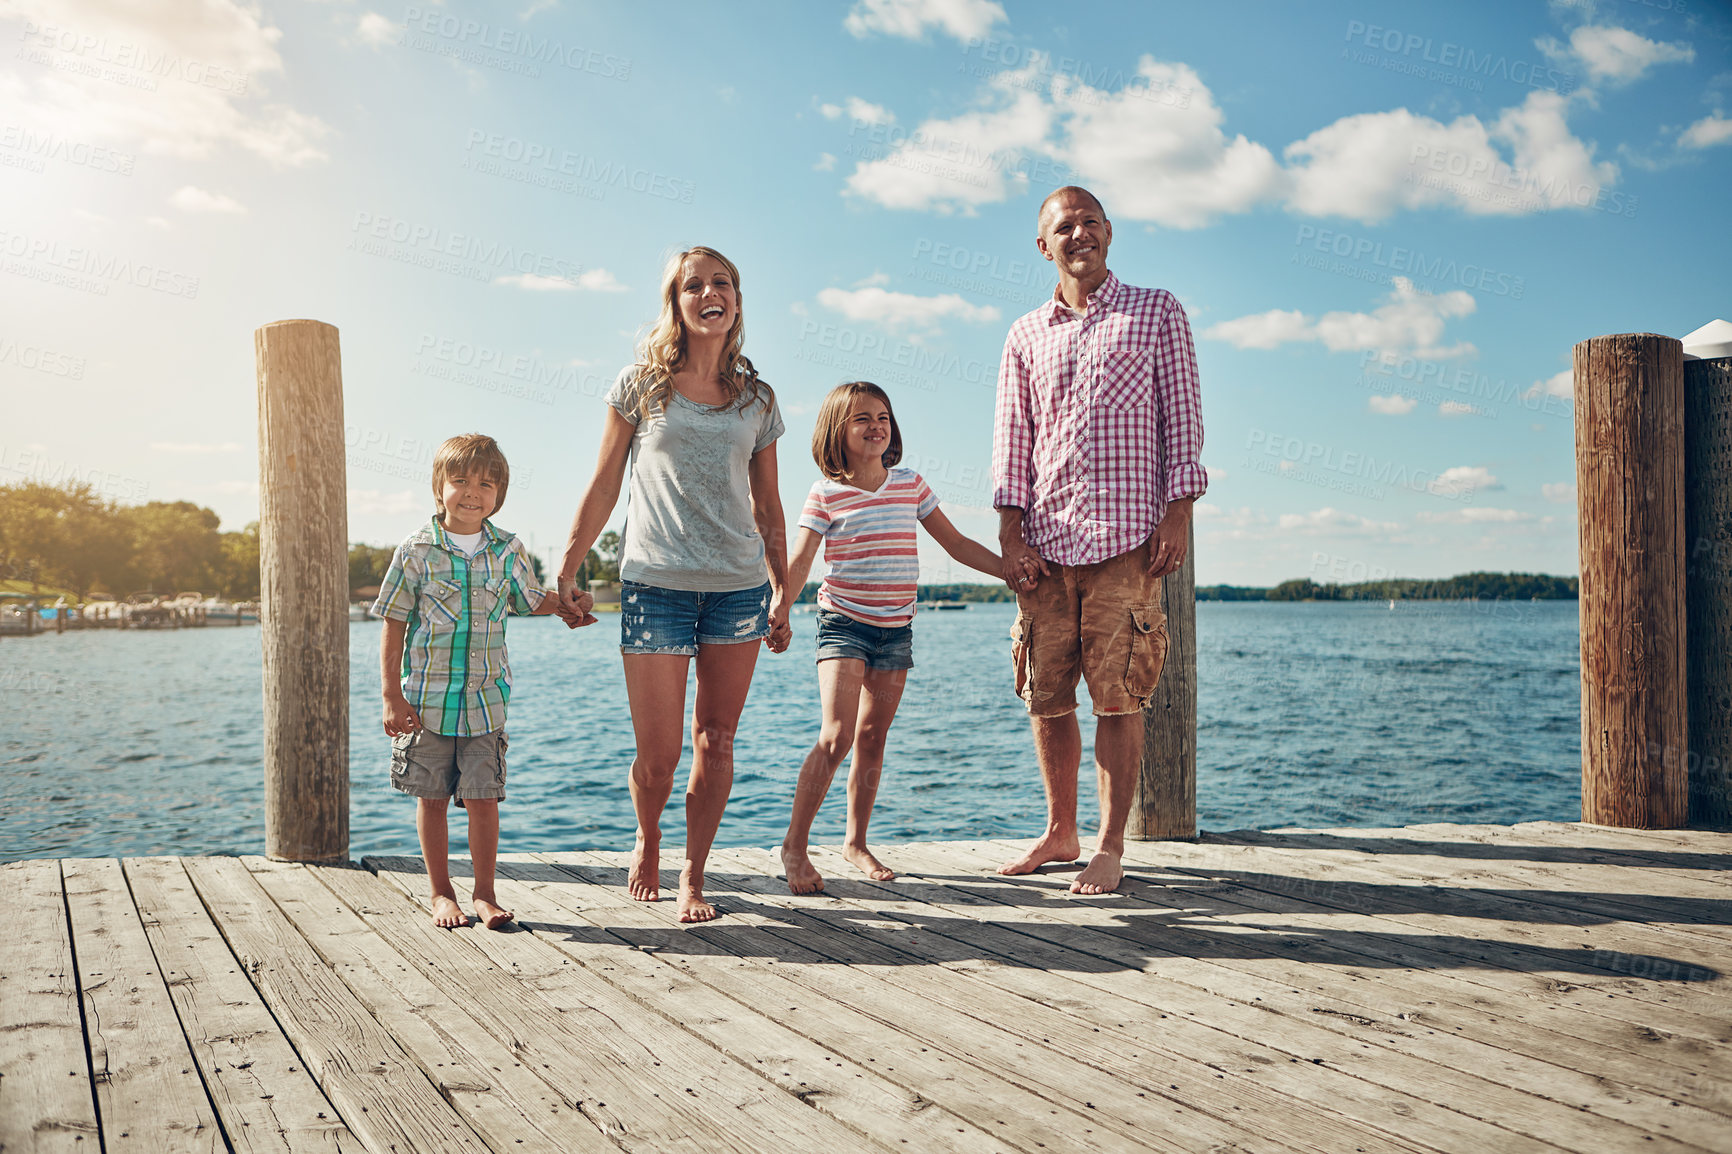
x=840 y=636
x=657 y=620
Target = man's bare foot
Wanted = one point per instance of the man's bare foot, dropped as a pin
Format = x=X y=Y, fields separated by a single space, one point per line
x=1050 y=848
x=693 y=907
x=1101 y=876
x=447 y=914
x=803 y=877
x=644 y=882
x=863 y=860
x=491 y=914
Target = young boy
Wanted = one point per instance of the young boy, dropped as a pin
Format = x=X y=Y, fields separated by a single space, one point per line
x=448 y=591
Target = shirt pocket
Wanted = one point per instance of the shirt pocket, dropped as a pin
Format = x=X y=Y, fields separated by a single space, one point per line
x=1126 y=378
x=493 y=598
x=442 y=601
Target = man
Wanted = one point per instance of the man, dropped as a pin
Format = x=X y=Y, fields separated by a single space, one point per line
x=1094 y=460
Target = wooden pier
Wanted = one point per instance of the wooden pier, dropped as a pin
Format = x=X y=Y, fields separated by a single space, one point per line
x=1532 y=988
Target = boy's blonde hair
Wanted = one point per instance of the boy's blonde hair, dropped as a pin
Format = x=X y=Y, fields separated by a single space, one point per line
x=472 y=454
x=662 y=352
x=832 y=427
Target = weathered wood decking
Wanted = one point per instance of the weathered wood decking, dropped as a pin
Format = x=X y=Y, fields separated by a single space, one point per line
x=1527 y=988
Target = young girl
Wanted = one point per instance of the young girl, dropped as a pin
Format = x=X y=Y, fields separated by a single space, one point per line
x=866 y=509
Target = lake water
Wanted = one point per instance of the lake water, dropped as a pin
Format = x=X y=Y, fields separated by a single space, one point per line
x=1308 y=714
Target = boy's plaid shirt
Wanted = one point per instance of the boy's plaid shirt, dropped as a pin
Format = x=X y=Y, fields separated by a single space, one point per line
x=455 y=674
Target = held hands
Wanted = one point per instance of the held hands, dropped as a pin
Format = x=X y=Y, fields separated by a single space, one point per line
x=399 y=716
x=781 y=632
x=574 y=604
x=1171 y=541
x=1020 y=566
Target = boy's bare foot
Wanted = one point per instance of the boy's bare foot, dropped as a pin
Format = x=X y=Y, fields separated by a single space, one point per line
x=803 y=876
x=644 y=882
x=447 y=914
x=863 y=860
x=491 y=914
x=1101 y=876
x=693 y=907
x=1050 y=848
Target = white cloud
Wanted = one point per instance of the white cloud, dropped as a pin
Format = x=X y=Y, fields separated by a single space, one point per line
x=877 y=278
x=379 y=501
x=896 y=310
x=1456 y=409
x=196 y=78
x=857 y=109
x=1334 y=521
x=1155 y=151
x=1707 y=132
x=1609 y=53
x=595 y=280
x=375 y=30
x=1394 y=405
x=599 y=280
x=1559 y=384
x=191 y=199
x=1461 y=480
x=1371 y=165
x=191 y=447
x=826 y=162
x=1215 y=474
x=1559 y=492
x=910 y=19
x=1409 y=322
x=1476 y=516
x=158 y=222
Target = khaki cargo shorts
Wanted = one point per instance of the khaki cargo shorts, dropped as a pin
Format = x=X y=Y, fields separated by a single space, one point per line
x=1102 y=622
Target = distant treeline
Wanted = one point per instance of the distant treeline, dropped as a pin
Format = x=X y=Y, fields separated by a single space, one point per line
x=1465 y=587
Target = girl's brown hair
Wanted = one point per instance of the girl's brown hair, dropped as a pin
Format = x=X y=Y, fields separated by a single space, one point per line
x=662 y=352
x=832 y=428
x=471 y=455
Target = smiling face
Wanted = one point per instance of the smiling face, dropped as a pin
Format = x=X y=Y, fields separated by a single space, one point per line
x=708 y=300
x=1074 y=235
x=468 y=501
x=867 y=434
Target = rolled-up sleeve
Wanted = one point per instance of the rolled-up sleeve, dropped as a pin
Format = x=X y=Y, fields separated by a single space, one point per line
x=401 y=584
x=1181 y=408
x=527 y=592
x=1012 y=433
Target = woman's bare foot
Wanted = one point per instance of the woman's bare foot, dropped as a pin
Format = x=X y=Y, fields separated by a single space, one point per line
x=863 y=860
x=447 y=914
x=803 y=876
x=693 y=907
x=491 y=914
x=1101 y=876
x=644 y=882
x=1050 y=848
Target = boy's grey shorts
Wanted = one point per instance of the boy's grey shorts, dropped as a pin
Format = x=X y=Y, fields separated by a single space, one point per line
x=425 y=764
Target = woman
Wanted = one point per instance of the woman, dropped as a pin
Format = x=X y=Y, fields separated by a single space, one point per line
x=703 y=560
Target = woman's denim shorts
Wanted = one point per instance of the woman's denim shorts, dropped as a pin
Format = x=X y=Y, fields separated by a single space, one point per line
x=839 y=635
x=657 y=620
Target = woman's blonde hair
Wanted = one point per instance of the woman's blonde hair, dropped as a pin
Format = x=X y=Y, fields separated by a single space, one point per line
x=471 y=455
x=662 y=353
x=831 y=429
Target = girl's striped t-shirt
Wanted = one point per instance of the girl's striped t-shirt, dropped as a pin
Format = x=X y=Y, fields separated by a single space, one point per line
x=869 y=543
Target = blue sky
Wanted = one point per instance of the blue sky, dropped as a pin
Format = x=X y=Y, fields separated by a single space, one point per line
x=1389 y=224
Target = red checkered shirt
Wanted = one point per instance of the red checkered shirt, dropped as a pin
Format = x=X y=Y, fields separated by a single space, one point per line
x=1099 y=422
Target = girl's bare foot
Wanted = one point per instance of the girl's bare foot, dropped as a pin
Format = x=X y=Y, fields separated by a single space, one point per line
x=644 y=882
x=693 y=907
x=491 y=914
x=447 y=914
x=863 y=860
x=803 y=876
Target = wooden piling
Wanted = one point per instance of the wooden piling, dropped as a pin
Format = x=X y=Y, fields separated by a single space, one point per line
x=303 y=584
x=1708 y=586
x=1165 y=805
x=1629 y=407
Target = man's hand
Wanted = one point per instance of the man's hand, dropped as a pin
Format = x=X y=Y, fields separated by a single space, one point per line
x=1019 y=565
x=781 y=632
x=1167 y=548
x=399 y=717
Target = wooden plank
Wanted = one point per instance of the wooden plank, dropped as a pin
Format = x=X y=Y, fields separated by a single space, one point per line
x=1049 y=1052
x=377 y=1088
x=746 y=964
x=1684 y=862
x=493 y=1088
x=1203 y=938
x=1416 y=1099
x=553 y=905
x=658 y=1080
x=263 y=1094
x=1555 y=1103
x=148 y=1092
x=46 y=1102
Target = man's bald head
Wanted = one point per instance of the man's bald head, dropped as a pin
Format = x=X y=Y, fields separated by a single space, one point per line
x=1069 y=190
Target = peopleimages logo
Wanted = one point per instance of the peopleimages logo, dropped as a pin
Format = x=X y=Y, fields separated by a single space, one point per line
x=1412 y=53
x=1411 y=262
